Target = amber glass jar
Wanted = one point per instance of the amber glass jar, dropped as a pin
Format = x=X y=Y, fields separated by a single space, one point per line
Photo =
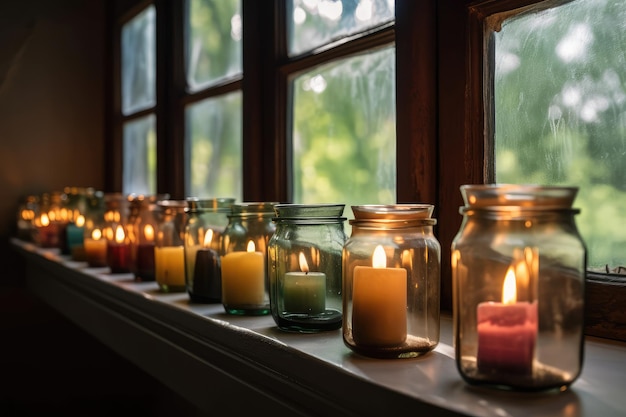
x=391 y=269
x=518 y=265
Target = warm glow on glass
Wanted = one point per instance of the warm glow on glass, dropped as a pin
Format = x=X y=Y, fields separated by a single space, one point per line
x=304 y=266
x=251 y=247
x=119 y=234
x=379 y=260
x=208 y=237
x=96 y=234
x=80 y=221
x=45 y=220
x=148 y=232
x=509 y=290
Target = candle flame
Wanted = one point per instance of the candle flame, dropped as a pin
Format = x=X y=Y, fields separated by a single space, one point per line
x=119 y=234
x=80 y=221
x=379 y=259
x=96 y=234
x=509 y=291
x=148 y=232
x=304 y=266
x=251 y=247
x=208 y=237
x=45 y=220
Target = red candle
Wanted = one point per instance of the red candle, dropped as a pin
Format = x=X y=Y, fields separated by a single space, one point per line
x=118 y=253
x=507 y=332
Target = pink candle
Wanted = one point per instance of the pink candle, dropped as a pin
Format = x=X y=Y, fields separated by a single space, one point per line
x=507 y=332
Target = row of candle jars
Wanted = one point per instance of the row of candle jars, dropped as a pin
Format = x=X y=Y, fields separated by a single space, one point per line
x=518 y=269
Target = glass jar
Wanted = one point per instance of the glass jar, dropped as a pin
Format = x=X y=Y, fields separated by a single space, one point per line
x=27 y=211
x=144 y=225
x=304 y=261
x=119 y=258
x=518 y=270
x=52 y=220
x=169 y=252
x=245 y=289
x=206 y=221
x=391 y=281
x=94 y=240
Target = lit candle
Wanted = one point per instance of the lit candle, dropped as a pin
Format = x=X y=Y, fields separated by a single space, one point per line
x=118 y=252
x=169 y=265
x=96 y=249
x=205 y=269
x=75 y=238
x=48 y=232
x=379 y=303
x=506 y=332
x=304 y=292
x=243 y=279
x=145 y=255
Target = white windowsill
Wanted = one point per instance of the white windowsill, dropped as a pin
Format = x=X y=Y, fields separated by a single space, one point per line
x=245 y=364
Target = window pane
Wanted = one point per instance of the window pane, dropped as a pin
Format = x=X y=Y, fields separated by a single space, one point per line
x=561 y=113
x=313 y=23
x=344 y=143
x=214 y=43
x=138 y=62
x=139 y=169
x=214 y=147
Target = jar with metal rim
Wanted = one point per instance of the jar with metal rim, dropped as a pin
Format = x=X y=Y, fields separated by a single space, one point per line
x=391 y=284
x=304 y=261
x=244 y=264
x=518 y=270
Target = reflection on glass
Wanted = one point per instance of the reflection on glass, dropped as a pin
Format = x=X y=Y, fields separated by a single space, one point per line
x=213 y=46
x=214 y=147
x=344 y=142
x=139 y=165
x=313 y=23
x=139 y=62
x=561 y=113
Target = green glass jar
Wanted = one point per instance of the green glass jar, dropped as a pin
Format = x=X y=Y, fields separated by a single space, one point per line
x=206 y=222
x=304 y=261
x=245 y=289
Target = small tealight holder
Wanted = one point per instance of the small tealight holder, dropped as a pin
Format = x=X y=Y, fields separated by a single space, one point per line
x=518 y=269
x=304 y=267
x=391 y=270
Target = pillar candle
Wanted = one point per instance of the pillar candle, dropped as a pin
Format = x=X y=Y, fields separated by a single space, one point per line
x=96 y=249
x=304 y=292
x=379 y=303
x=145 y=262
x=207 y=276
x=507 y=332
x=119 y=253
x=243 y=279
x=169 y=264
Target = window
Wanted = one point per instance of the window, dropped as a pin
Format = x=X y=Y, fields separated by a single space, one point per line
x=560 y=113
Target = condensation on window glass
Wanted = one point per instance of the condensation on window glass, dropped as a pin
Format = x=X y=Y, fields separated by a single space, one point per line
x=214 y=147
x=213 y=44
x=343 y=138
x=139 y=150
x=139 y=62
x=313 y=23
x=560 y=118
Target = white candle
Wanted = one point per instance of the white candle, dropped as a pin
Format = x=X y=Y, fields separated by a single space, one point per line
x=379 y=303
x=304 y=292
x=243 y=278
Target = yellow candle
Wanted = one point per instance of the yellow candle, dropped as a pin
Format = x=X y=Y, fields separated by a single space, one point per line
x=243 y=278
x=169 y=266
x=96 y=249
x=379 y=303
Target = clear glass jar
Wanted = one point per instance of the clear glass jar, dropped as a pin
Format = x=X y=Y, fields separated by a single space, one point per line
x=206 y=221
x=518 y=270
x=119 y=255
x=169 y=252
x=144 y=225
x=245 y=287
x=52 y=220
x=27 y=211
x=304 y=261
x=392 y=273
